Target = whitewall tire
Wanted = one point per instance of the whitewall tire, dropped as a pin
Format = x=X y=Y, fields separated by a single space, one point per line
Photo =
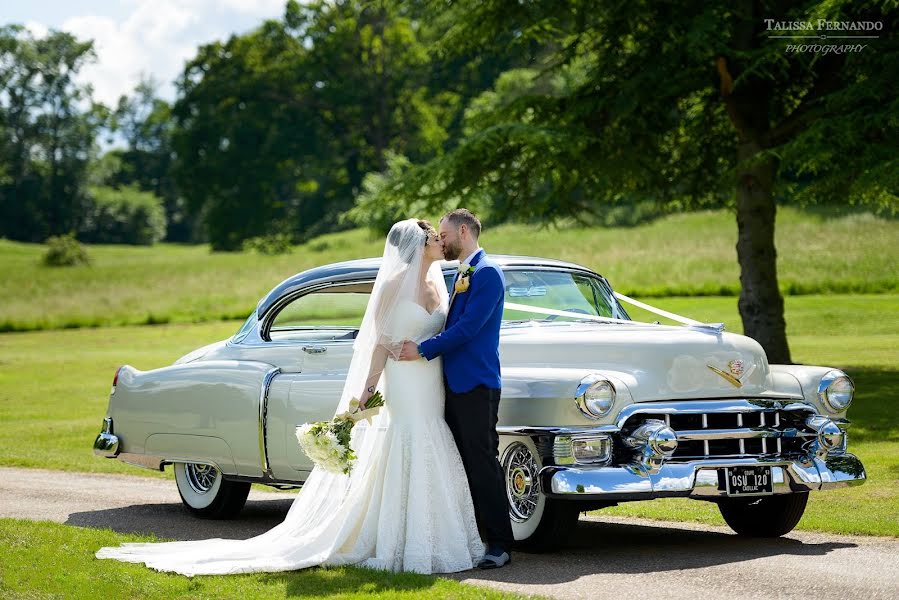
x=206 y=494
x=538 y=523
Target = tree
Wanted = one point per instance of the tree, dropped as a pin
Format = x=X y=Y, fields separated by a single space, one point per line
x=48 y=124
x=276 y=129
x=688 y=102
x=145 y=122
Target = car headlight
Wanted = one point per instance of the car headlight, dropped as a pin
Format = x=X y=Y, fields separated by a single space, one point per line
x=836 y=390
x=595 y=396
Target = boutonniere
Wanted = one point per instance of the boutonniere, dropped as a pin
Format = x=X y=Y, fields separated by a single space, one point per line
x=464 y=281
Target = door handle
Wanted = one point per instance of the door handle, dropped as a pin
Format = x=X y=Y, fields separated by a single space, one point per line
x=314 y=349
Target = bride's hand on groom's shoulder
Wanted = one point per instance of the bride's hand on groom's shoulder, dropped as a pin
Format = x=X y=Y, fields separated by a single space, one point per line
x=409 y=351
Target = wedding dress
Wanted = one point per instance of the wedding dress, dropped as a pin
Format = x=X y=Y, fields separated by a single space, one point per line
x=405 y=506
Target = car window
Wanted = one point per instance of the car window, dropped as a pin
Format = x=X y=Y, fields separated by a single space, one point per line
x=245 y=329
x=320 y=316
x=559 y=291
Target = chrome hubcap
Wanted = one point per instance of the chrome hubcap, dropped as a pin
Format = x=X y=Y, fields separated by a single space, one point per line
x=200 y=478
x=522 y=488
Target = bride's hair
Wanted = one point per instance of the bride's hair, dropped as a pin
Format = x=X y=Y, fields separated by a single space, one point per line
x=397 y=235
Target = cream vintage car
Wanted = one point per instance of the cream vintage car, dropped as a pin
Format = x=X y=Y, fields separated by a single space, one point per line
x=596 y=409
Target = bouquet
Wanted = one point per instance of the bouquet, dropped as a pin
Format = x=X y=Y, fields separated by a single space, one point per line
x=327 y=443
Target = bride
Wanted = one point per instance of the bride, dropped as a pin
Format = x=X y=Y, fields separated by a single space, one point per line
x=406 y=505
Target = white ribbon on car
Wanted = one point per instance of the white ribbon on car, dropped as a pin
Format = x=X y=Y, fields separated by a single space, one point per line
x=715 y=327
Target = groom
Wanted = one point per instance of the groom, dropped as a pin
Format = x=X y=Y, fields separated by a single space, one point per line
x=469 y=345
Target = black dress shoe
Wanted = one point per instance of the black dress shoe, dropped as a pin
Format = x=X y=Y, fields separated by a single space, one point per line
x=495 y=561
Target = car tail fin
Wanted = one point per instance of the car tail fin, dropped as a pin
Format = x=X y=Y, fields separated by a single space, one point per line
x=115 y=380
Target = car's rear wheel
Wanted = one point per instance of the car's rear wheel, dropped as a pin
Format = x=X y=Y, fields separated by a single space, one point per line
x=768 y=516
x=206 y=494
x=539 y=523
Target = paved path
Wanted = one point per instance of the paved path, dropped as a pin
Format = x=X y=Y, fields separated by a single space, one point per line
x=607 y=558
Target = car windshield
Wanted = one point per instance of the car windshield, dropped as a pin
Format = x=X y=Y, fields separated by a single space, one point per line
x=530 y=291
x=531 y=295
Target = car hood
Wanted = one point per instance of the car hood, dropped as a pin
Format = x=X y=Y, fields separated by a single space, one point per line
x=654 y=362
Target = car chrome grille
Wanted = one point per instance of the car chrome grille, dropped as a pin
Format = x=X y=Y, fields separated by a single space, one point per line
x=733 y=434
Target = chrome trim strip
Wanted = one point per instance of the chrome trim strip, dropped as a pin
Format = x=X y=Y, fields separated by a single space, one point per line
x=695 y=479
x=551 y=430
x=146 y=461
x=692 y=407
x=263 y=419
x=744 y=433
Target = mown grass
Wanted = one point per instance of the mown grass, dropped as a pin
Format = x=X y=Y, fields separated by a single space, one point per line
x=686 y=255
x=54 y=387
x=48 y=560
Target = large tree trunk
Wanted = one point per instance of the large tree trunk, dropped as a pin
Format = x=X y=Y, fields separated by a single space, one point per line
x=761 y=305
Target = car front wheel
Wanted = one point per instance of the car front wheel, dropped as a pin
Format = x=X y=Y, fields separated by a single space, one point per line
x=768 y=516
x=539 y=523
x=206 y=494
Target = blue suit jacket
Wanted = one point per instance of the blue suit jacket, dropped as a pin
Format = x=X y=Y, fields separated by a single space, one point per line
x=469 y=343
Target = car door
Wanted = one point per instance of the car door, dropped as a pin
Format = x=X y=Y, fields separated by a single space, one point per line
x=320 y=327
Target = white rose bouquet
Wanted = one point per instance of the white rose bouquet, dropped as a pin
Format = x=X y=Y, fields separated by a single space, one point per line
x=327 y=443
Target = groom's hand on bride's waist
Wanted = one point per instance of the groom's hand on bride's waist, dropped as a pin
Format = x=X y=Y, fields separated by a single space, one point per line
x=410 y=351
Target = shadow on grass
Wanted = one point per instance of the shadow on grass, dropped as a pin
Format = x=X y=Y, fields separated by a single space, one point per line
x=875 y=410
x=348 y=580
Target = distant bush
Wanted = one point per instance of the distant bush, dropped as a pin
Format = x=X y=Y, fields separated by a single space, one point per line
x=275 y=243
x=124 y=215
x=65 y=251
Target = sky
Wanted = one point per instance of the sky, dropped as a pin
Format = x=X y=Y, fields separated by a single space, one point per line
x=134 y=38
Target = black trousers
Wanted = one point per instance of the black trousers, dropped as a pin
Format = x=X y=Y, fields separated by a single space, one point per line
x=472 y=418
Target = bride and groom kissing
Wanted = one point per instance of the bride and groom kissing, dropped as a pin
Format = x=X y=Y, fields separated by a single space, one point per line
x=427 y=470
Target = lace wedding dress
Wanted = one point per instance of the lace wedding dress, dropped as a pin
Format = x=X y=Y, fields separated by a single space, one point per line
x=406 y=505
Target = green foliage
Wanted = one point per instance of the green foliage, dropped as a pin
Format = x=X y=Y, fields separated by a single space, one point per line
x=282 y=123
x=48 y=124
x=65 y=251
x=146 y=123
x=124 y=216
x=672 y=102
x=628 y=104
x=276 y=243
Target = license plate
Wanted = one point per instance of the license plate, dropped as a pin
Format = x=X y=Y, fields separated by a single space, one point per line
x=748 y=481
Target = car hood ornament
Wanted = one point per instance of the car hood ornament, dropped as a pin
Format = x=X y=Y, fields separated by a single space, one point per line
x=735 y=372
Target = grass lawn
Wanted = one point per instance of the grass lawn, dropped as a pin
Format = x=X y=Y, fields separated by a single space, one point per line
x=54 y=389
x=175 y=283
x=47 y=560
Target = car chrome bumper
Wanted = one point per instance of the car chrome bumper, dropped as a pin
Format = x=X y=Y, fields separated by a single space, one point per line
x=106 y=444
x=696 y=479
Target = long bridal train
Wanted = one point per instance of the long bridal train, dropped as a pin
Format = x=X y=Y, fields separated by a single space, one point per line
x=406 y=506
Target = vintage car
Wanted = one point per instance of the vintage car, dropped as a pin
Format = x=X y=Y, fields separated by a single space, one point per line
x=596 y=408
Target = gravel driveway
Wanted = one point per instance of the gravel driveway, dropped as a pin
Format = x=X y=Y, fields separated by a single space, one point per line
x=607 y=557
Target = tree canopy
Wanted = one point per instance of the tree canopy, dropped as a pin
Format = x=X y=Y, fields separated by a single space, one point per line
x=684 y=102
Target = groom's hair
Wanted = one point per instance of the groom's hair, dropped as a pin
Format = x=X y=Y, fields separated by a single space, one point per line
x=463 y=216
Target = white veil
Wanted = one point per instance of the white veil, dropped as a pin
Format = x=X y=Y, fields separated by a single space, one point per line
x=316 y=526
x=383 y=328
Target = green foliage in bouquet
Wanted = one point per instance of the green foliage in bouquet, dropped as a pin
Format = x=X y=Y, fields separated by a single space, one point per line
x=327 y=443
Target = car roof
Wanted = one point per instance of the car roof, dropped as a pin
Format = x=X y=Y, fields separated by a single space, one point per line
x=368 y=268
